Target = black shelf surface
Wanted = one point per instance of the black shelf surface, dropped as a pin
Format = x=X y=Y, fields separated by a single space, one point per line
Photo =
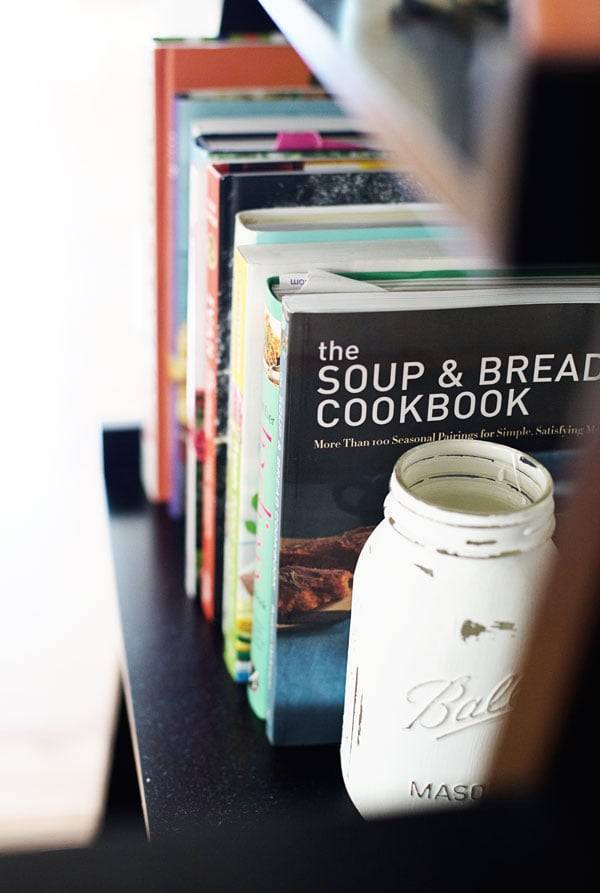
x=226 y=810
x=203 y=758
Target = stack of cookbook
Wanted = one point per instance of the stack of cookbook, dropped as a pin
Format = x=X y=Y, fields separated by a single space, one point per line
x=316 y=317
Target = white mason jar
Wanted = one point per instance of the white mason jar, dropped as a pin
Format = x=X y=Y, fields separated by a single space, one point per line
x=442 y=598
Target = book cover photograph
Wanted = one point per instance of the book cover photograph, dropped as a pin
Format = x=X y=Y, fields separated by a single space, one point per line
x=355 y=387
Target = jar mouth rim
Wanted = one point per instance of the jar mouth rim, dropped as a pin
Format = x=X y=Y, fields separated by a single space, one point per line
x=530 y=479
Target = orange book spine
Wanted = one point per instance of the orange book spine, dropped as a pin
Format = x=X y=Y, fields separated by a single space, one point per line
x=163 y=91
x=209 y=473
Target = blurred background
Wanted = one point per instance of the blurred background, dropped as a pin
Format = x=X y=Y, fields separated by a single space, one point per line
x=76 y=227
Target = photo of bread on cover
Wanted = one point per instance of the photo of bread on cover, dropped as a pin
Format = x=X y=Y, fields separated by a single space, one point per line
x=272 y=347
x=315 y=575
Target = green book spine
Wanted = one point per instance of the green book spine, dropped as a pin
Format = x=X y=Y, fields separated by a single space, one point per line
x=266 y=558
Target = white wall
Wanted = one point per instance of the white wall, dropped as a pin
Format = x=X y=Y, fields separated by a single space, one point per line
x=76 y=167
x=75 y=240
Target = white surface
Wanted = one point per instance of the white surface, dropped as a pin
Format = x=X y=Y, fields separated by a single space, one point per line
x=75 y=225
x=187 y=18
x=427 y=689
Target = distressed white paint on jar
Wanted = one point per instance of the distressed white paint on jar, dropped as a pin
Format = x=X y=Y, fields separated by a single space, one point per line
x=442 y=597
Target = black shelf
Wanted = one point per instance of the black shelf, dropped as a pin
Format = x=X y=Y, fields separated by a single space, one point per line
x=226 y=810
x=202 y=756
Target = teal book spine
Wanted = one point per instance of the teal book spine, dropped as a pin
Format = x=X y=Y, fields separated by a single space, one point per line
x=285 y=399
x=355 y=234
